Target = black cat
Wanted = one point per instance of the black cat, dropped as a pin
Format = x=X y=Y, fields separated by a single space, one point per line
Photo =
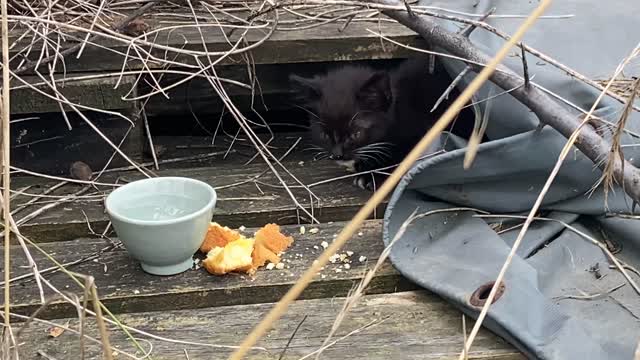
x=366 y=118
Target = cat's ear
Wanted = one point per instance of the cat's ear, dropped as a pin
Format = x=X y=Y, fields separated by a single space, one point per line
x=375 y=94
x=307 y=89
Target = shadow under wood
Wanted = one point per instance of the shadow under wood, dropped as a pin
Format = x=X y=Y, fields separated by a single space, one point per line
x=43 y=143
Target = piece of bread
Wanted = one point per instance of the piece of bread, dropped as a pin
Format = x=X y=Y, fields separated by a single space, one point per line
x=218 y=236
x=235 y=256
x=271 y=237
x=261 y=255
x=269 y=243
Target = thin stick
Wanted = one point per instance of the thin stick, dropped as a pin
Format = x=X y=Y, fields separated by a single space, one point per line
x=445 y=94
x=525 y=66
x=38 y=197
x=386 y=187
x=369 y=325
x=295 y=331
x=6 y=174
x=104 y=335
x=33 y=64
x=466 y=31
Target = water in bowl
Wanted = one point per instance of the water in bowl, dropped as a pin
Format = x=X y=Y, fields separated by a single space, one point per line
x=160 y=207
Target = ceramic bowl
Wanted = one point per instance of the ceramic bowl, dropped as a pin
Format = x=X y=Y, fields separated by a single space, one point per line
x=162 y=221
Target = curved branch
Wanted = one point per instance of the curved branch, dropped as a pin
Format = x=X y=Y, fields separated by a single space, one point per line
x=546 y=109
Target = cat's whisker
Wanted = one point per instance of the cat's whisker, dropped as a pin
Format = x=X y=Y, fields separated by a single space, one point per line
x=379 y=153
x=320 y=155
x=354 y=116
x=313 y=148
x=374 y=148
x=377 y=145
x=309 y=112
x=366 y=157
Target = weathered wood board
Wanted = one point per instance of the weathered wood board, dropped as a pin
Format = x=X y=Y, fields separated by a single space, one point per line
x=99 y=93
x=190 y=147
x=242 y=202
x=405 y=325
x=322 y=43
x=124 y=287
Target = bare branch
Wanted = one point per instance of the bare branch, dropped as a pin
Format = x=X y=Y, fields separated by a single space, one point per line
x=547 y=110
x=467 y=30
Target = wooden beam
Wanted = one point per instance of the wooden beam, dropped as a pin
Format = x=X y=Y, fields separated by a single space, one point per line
x=322 y=43
x=99 y=93
x=416 y=325
x=124 y=287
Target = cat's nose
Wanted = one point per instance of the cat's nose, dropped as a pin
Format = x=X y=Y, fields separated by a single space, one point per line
x=336 y=153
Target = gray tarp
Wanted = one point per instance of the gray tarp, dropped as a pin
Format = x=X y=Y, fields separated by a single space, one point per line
x=452 y=254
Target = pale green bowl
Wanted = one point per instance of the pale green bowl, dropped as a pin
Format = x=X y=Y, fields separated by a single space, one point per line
x=162 y=221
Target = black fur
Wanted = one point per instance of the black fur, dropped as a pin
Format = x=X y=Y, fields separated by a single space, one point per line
x=370 y=116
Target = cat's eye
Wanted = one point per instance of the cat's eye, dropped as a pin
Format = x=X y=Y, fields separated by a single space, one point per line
x=357 y=134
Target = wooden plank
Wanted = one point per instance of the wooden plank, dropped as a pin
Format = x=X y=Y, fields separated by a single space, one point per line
x=242 y=203
x=124 y=287
x=182 y=147
x=416 y=325
x=322 y=43
x=96 y=93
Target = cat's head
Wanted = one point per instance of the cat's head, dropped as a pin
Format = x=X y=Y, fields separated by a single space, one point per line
x=348 y=110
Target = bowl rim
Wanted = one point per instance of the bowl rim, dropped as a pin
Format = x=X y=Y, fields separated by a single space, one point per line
x=210 y=204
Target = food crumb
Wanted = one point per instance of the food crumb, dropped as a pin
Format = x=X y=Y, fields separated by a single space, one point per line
x=136 y=292
x=334 y=258
x=314 y=230
x=270 y=266
x=242 y=228
x=360 y=233
x=303 y=230
x=280 y=266
x=316 y=247
x=324 y=244
x=347 y=266
x=323 y=276
x=362 y=258
x=338 y=270
x=349 y=253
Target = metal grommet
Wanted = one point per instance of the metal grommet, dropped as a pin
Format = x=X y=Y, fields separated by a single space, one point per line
x=479 y=297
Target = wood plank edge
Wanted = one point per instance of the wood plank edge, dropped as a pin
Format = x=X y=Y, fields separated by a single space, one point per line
x=384 y=284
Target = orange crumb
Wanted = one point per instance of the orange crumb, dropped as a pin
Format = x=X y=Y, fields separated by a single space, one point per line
x=269 y=243
x=273 y=239
x=261 y=255
x=218 y=236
